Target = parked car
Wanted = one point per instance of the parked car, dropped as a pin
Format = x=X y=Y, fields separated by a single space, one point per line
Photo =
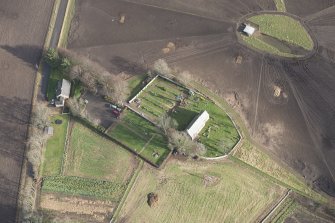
x=116 y=113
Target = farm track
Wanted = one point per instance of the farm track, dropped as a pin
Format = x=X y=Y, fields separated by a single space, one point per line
x=298 y=125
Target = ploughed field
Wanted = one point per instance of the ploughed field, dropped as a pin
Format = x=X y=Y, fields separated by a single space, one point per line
x=287 y=105
x=23 y=26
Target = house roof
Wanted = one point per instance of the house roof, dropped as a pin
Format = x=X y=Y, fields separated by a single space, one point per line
x=63 y=90
x=197 y=124
x=249 y=30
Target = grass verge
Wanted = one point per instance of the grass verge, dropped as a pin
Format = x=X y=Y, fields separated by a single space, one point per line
x=69 y=14
x=280 y=5
x=53 y=156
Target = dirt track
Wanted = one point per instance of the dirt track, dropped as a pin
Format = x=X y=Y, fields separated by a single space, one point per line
x=23 y=25
x=298 y=125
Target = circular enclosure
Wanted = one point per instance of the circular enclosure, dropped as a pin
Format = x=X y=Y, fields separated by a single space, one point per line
x=276 y=34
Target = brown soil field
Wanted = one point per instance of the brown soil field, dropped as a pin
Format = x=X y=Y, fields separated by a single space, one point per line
x=298 y=125
x=75 y=208
x=23 y=26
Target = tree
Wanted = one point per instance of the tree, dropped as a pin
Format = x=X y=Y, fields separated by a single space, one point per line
x=162 y=68
x=166 y=123
x=51 y=57
x=40 y=116
x=120 y=90
x=89 y=82
x=77 y=107
x=184 y=77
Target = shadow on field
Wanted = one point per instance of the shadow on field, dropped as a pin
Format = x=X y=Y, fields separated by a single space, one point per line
x=27 y=53
x=123 y=65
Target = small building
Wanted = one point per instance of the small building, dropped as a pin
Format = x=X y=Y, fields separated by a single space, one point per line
x=49 y=131
x=249 y=30
x=197 y=124
x=62 y=92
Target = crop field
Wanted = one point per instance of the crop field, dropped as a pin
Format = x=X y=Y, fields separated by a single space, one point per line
x=185 y=194
x=53 y=156
x=159 y=98
x=219 y=135
x=141 y=136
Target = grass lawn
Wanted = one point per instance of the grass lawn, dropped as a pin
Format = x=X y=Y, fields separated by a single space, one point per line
x=159 y=98
x=135 y=84
x=261 y=45
x=141 y=136
x=90 y=155
x=219 y=135
x=284 y=28
x=280 y=5
x=236 y=195
x=53 y=156
x=71 y=185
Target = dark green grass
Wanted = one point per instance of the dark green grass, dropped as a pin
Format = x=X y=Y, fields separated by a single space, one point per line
x=55 y=76
x=53 y=156
x=141 y=136
x=219 y=135
x=135 y=84
x=85 y=187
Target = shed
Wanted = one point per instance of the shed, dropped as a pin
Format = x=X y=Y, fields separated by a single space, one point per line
x=249 y=30
x=49 y=131
x=197 y=124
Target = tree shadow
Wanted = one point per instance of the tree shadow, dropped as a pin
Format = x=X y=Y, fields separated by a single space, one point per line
x=28 y=53
x=123 y=65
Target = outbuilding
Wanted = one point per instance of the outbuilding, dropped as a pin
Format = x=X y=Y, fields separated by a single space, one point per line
x=249 y=30
x=197 y=124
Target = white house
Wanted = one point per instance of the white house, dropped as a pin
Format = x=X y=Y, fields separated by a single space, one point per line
x=197 y=125
x=62 y=92
x=249 y=30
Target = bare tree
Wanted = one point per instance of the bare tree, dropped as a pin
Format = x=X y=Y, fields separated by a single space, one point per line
x=162 y=68
x=40 y=116
x=166 y=123
x=77 y=107
x=120 y=90
x=184 y=77
x=89 y=82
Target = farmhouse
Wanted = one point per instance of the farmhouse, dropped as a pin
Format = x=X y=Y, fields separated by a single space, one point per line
x=249 y=30
x=62 y=92
x=197 y=124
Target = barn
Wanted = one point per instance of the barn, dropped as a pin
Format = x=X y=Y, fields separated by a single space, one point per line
x=197 y=124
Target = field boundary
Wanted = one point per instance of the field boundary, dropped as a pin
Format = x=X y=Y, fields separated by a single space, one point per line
x=23 y=174
x=126 y=193
x=143 y=89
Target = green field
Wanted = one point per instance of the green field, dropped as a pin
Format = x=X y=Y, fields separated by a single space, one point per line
x=141 y=136
x=236 y=195
x=159 y=98
x=219 y=135
x=91 y=156
x=53 y=156
x=280 y=33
